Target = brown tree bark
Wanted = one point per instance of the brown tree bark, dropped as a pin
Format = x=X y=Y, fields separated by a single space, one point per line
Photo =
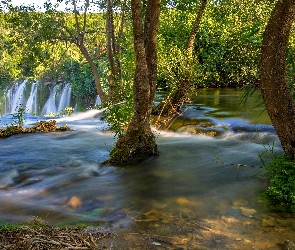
x=95 y=73
x=195 y=29
x=113 y=52
x=139 y=142
x=79 y=41
x=172 y=103
x=272 y=72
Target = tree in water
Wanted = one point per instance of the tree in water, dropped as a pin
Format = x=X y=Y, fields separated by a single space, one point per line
x=139 y=141
x=171 y=104
x=275 y=90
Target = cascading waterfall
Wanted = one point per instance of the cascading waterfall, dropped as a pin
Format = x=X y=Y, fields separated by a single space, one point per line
x=15 y=97
x=50 y=105
x=59 y=97
x=97 y=101
x=32 y=106
x=65 y=98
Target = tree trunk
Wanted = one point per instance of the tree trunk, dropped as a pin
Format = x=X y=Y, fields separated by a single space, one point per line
x=139 y=142
x=172 y=103
x=113 y=51
x=272 y=71
x=195 y=29
x=94 y=70
x=79 y=41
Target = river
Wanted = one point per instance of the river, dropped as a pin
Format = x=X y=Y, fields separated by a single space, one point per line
x=201 y=192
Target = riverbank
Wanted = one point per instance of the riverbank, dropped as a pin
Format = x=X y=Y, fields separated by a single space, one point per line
x=39 y=235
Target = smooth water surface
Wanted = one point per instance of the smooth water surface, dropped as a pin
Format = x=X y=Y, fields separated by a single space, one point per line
x=201 y=192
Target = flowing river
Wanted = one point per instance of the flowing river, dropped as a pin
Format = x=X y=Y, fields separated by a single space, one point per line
x=201 y=192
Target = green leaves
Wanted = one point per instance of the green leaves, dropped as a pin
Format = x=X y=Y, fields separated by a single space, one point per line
x=82 y=82
x=281 y=173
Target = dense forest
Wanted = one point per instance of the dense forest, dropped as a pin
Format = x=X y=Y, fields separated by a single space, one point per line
x=41 y=45
x=91 y=47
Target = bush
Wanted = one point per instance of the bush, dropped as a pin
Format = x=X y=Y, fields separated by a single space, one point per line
x=118 y=115
x=281 y=173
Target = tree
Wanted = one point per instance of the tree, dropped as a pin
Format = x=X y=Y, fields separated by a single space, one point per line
x=272 y=72
x=171 y=104
x=113 y=51
x=54 y=26
x=139 y=141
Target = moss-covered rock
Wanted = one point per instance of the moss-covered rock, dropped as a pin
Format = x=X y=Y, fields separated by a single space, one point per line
x=42 y=126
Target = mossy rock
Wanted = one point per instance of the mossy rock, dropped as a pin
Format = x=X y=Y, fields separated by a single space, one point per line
x=42 y=126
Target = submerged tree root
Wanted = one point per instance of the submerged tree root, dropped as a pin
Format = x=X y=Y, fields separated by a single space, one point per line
x=133 y=147
x=42 y=126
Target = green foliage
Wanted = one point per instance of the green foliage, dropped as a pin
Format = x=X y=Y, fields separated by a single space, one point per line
x=11 y=130
x=8 y=226
x=18 y=117
x=281 y=173
x=68 y=111
x=119 y=114
x=82 y=82
x=226 y=49
x=174 y=68
x=50 y=114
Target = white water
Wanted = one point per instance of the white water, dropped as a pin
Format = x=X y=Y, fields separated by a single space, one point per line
x=200 y=189
x=65 y=98
x=32 y=105
x=59 y=98
x=16 y=96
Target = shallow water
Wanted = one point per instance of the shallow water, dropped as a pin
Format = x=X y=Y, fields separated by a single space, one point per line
x=201 y=192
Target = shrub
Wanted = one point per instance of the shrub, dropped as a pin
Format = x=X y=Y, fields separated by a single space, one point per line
x=281 y=173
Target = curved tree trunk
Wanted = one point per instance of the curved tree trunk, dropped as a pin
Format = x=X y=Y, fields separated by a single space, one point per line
x=172 y=103
x=79 y=41
x=272 y=71
x=139 y=142
x=93 y=67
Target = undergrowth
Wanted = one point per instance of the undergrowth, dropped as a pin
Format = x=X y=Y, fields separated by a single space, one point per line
x=281 y=173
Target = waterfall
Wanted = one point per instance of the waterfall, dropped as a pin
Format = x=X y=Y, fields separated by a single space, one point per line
x=15 y=97
x=65 y=98
x=32 y=106
x=97 y=101
x=58 y=100
x=59 y=96
x=50 y=105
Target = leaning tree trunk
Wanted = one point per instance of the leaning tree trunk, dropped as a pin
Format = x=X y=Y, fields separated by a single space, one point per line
x=94 y=70
x=139 y=142
x=79 y=41
x=172 y=103
x=272 y=71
